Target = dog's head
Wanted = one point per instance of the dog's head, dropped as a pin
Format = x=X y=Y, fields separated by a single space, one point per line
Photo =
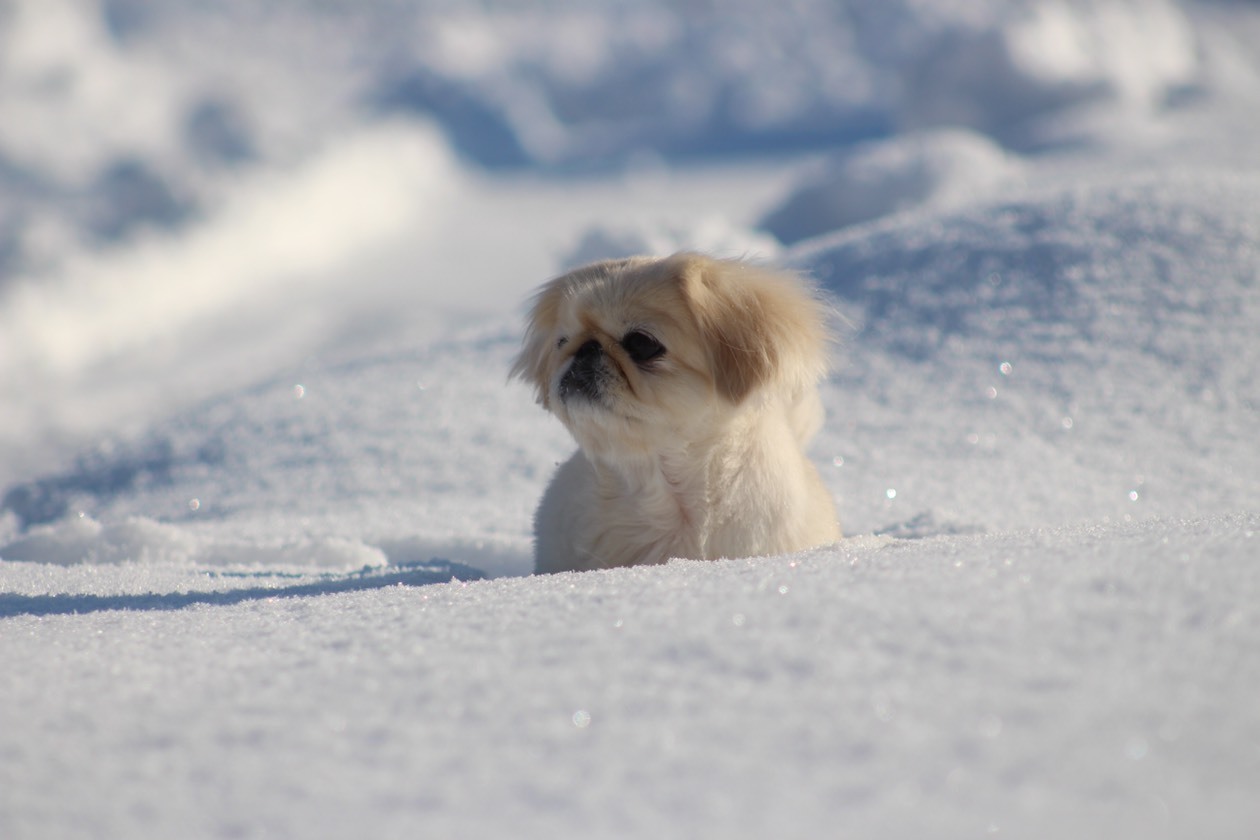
x=639 y=353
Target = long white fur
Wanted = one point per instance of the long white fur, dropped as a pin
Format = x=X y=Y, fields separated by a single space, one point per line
x=691 y=459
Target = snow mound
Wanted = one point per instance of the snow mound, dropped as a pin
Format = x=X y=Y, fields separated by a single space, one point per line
x=938 y=169
x=715 y=235
x=346 y=463
x=1093 y=346
x=277 y=233
x=80 y=539
x=574 y=86
x=1010 y=72
x=1026 y=364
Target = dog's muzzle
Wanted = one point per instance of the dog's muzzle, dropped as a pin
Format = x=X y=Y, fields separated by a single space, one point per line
x=586 y=373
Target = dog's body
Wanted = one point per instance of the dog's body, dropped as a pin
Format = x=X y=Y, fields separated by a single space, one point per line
x=690 y=385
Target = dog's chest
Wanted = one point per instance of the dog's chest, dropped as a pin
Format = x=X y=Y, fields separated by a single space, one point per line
x=651 y=523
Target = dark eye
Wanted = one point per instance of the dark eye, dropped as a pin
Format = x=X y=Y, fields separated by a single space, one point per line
x=641 y=347
x=561 y=342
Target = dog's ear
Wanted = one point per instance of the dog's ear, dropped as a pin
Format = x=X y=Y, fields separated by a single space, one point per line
x=530 y=365
x=759 y=326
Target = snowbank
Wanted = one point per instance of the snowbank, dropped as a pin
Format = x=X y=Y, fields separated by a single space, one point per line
x=1087 y=353
x=1025 y=364
x=938 y=169
x=345 y=459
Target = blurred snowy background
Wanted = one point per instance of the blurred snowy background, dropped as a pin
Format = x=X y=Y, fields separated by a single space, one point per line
x=187 y=189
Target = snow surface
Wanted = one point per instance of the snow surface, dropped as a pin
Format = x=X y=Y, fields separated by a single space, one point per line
x=265 y=494
x=1085 y=681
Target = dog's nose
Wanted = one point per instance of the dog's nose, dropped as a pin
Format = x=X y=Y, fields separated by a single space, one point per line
x=584 y=373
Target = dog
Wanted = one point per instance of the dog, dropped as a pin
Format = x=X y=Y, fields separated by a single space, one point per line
x=691 y=387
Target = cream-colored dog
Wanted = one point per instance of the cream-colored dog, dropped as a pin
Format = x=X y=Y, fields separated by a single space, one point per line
x=690 y=384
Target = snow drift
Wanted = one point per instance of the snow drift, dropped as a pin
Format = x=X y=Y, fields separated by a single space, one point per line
x=1088 y=353
x=1029 y=364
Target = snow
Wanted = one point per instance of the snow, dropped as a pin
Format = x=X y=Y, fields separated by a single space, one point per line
x=941 y=169
x=953 y=686
x=265 y=492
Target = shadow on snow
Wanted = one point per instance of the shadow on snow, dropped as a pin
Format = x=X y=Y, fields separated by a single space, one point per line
x=14 y=605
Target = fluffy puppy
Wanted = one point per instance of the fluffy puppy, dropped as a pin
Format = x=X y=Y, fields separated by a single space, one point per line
x=690 y=385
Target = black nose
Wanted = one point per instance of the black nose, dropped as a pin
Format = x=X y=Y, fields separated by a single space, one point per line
x=590 y=348
x=584 y=373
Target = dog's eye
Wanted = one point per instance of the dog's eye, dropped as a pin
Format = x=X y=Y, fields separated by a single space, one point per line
x=561 y=342
x=641 y=347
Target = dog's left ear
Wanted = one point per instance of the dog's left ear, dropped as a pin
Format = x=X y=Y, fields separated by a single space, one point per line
x=530 y=365
x=761 y=327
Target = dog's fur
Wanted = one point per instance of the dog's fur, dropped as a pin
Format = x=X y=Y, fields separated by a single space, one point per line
x=691 y=438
